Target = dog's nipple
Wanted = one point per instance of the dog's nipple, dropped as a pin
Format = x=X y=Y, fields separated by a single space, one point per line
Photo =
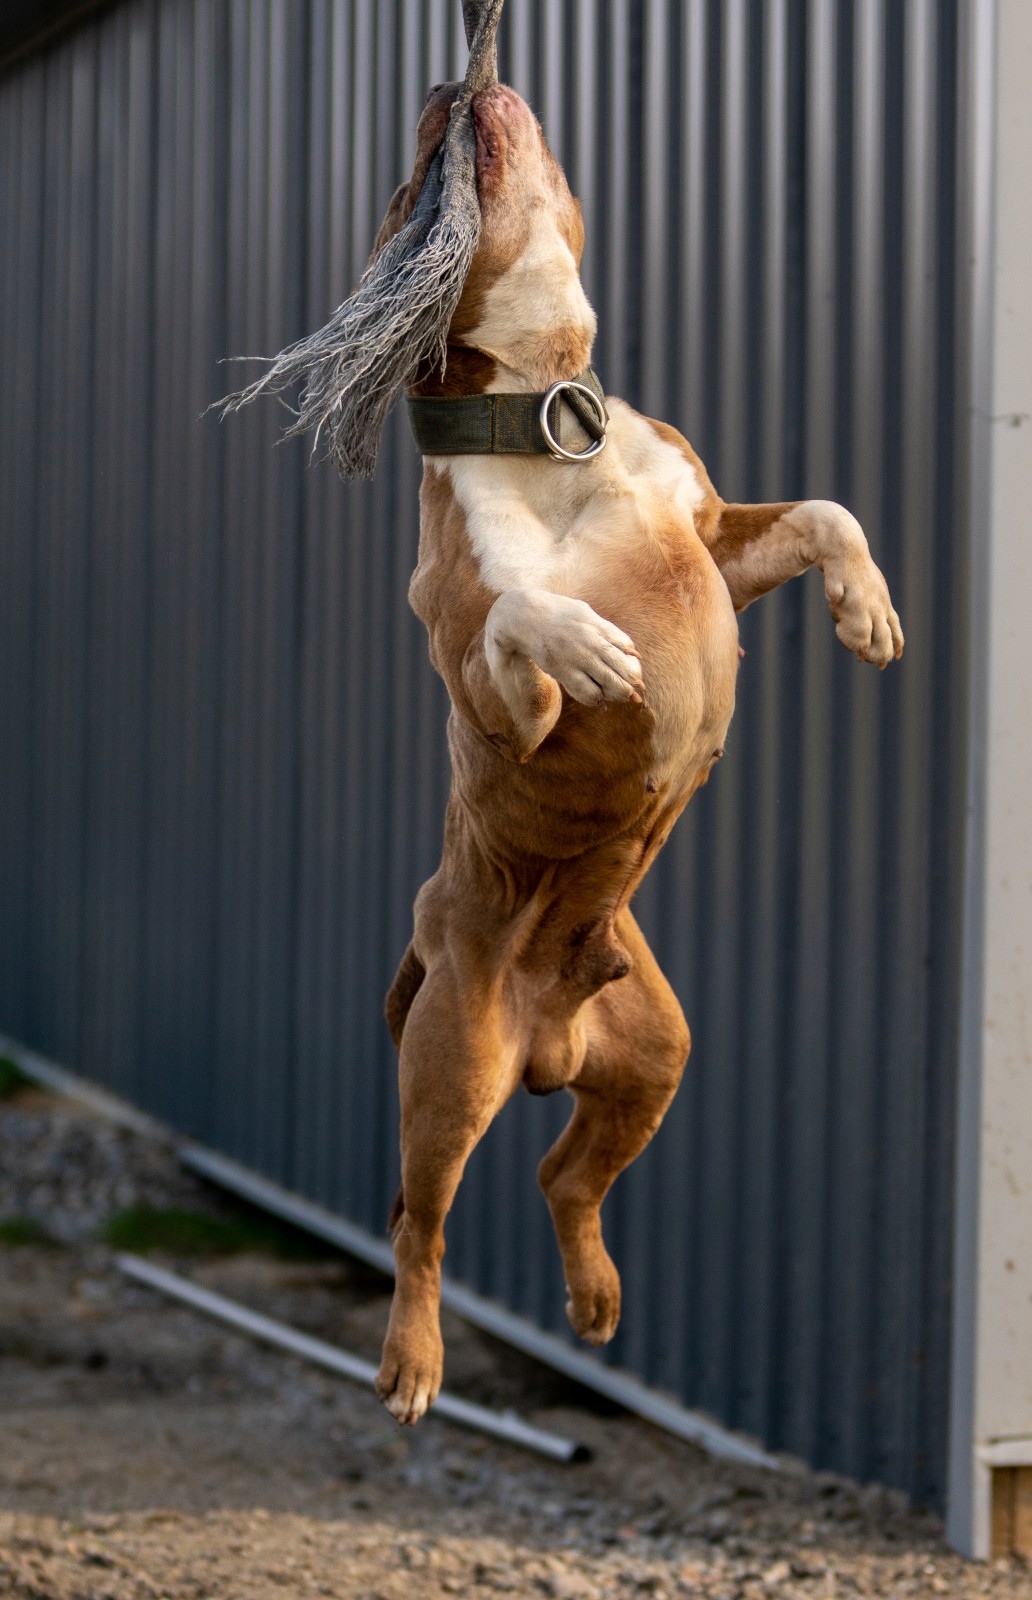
x=651 y=785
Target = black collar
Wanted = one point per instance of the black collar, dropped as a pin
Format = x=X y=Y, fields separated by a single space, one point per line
x=514 y=424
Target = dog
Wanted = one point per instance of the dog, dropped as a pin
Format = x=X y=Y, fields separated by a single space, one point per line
x=582 y=614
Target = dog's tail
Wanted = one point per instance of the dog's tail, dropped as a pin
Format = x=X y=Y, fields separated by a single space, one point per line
x=397 y=1210
x=402 y=992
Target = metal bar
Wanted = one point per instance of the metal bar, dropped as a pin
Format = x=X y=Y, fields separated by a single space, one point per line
x=505 y=1425
x=48 y=1075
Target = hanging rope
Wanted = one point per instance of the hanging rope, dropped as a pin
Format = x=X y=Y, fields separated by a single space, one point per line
x=354 y=368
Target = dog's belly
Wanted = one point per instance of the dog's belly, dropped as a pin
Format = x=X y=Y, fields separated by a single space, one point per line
x=606 y=770
x=686 y=632
x=618 y=772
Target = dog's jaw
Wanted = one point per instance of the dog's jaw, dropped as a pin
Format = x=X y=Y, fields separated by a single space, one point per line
x=525 y=307
x=537 y=323
x=523 y=321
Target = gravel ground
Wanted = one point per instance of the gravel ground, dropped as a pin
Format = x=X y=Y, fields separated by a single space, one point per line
x=145 y=1451
x=68 y=1171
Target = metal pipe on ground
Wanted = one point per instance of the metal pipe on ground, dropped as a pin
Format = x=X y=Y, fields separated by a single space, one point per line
x=503 y=1425
x=622 y=1387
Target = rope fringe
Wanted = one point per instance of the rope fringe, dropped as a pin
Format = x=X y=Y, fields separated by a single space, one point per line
x=354 y=368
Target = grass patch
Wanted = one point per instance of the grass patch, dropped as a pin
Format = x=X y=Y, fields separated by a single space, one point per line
x=12 y=1079
x=181 y=1232
x=17 y=1231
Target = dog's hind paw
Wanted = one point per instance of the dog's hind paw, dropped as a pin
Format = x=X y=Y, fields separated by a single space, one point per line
x=409 y=1379
x=593 y=1306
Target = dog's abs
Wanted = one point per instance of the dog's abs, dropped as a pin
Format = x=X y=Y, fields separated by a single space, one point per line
x=543 y=936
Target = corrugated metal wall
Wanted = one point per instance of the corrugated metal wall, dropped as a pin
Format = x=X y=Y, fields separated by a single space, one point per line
x=223 y=753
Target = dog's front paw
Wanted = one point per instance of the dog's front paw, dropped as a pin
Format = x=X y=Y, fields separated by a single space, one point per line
x=589 y=656
x=865 y=619
x=411 y=1369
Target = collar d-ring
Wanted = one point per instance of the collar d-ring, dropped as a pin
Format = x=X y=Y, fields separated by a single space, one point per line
x=594 y=420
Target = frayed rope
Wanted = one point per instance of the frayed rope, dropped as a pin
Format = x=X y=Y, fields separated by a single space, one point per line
x=354 y=368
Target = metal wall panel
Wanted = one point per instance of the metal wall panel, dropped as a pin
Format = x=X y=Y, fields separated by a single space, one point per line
x=224 y=762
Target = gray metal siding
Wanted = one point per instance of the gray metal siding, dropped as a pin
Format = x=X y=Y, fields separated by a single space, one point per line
x=223 y=756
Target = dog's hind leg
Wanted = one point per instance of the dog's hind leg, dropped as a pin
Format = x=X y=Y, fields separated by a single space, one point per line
x=638 y=1043
x=455 y=1071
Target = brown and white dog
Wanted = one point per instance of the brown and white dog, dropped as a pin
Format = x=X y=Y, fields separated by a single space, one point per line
x=583 y=618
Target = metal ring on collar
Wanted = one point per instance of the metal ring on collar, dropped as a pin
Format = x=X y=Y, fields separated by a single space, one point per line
x=554 y=447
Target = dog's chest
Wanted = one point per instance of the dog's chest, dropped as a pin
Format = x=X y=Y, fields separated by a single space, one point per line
x=536 y=523
x=619 y=533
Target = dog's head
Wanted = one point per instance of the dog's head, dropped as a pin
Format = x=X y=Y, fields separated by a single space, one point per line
x=523 y=307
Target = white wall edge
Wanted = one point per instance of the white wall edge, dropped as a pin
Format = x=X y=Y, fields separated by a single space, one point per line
x=967 y=1512
x=991 y=1381
x=1007 y=1452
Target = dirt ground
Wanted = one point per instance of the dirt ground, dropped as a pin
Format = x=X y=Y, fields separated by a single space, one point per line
x=146 y=1451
